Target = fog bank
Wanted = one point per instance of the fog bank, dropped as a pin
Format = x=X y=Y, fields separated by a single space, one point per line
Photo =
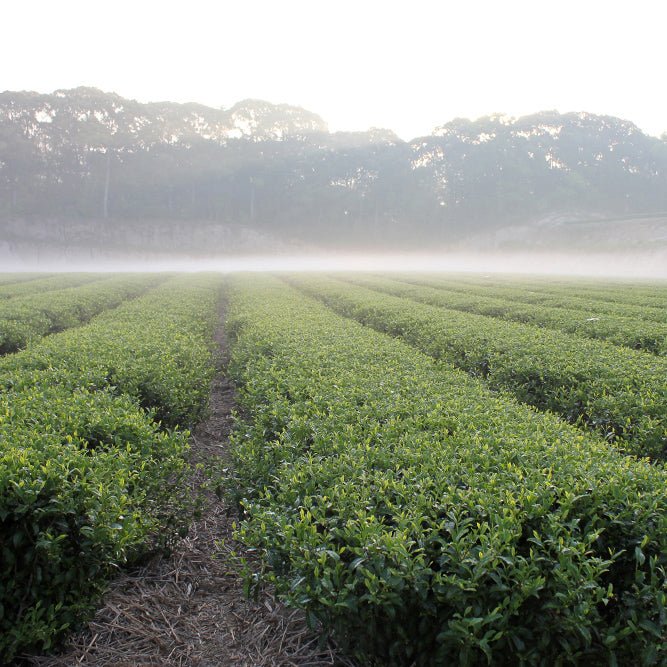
x=631 y=265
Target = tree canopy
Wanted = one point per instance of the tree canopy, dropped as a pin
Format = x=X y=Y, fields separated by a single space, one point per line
x=84 y=154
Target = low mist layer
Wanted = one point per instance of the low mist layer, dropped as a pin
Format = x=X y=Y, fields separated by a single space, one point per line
x=629 y=266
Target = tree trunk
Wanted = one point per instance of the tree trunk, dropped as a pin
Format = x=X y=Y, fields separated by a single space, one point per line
x=107 y=180
x=252 y=200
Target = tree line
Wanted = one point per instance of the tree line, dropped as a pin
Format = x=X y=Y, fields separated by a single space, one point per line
x=84 y=154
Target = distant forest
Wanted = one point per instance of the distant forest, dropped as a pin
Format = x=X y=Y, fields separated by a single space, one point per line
x=85 y=155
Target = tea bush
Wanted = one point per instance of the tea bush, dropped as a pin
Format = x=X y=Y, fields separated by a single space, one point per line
x=91 y=456
x=621 y=302
x=24 y=319
x=590 y=323
x=427 y=520
x=617 y=392
x=35 y=283
x=83 y=486
x=21 y=277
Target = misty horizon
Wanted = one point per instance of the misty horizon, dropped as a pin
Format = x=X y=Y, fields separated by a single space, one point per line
x=88 y=177
x=626 y=267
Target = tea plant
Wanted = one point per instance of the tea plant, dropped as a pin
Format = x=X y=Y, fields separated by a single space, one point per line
x=91 y=453
x=617 y=392
x=15 y=278
x=621 y=303
x=47 y=283
x=629 y=332
x=425 y=519
x=28 y=318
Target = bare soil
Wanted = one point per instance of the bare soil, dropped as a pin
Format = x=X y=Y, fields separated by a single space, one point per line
x=188 y=608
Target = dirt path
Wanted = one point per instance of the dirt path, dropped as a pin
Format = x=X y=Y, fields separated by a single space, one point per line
x=189 y=609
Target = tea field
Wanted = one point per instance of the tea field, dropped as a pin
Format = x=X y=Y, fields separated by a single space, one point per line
x=439 y=469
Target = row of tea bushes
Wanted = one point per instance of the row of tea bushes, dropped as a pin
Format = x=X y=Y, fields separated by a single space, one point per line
x=652 y=294
x=149 y=348
x=427 y=520
x=91 y=453
x=48 y=283
x=618 y=392
x=85 y=479
x=12 y=278
x=529 y=293
x=629 y=332
x=25 y=319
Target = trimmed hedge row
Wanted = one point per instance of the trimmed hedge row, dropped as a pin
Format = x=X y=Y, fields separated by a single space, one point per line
x=149 y=348
x=91 y=454
x=646 y=293
x=12 y=278
x=629 y=332
x=530 y=293
x=25 y=319
x=618 y=392
x=49 y=283
x=427 y=520
x=85 y=479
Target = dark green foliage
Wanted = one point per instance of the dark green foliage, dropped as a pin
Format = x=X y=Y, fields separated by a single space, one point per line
x=620 y=393
x=639 y=334
x=27 y=318
x=89 y=471
x=427 y=520
x=85 y=481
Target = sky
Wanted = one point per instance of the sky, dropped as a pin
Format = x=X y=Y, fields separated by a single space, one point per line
x=404 y=65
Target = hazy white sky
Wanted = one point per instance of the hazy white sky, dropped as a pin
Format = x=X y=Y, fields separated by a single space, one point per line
x=407 y=66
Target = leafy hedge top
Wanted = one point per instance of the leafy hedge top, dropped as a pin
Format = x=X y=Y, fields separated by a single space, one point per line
x=618 y=302
x=88 y=478
x=586 y=322
x=48 y=283
x=618 y=392
x=426 y=519
x=27 y=318
x=156 y=349
x=23 y=277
